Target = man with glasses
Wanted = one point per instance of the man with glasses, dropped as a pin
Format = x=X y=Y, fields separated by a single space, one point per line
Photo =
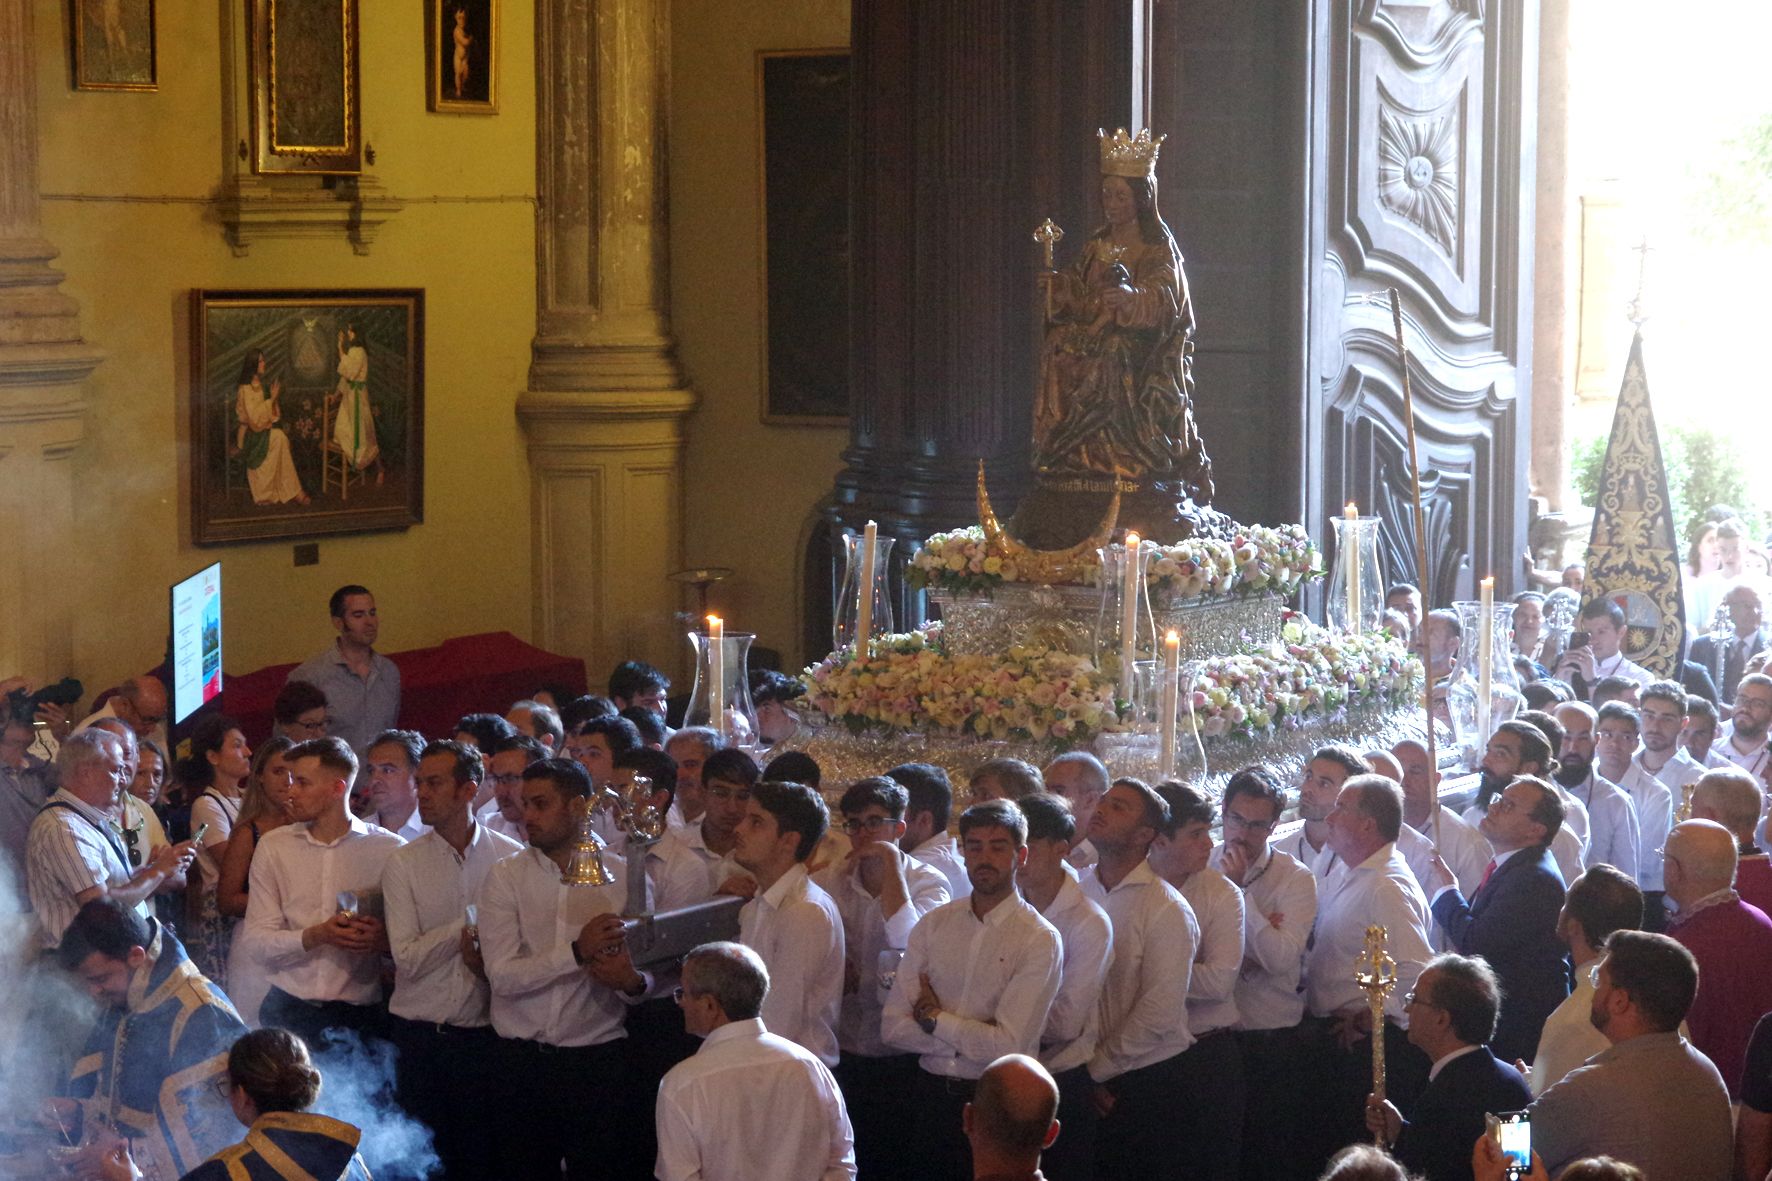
x=141 y=703
x=1612 y=834
x=881 y=892
x=1744 y=741
x=1279 y=910
x=1452 y=1017
x=503 y=813
x=1462 y=846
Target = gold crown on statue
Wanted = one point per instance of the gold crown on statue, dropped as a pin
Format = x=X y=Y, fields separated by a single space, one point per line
x=1128 y=155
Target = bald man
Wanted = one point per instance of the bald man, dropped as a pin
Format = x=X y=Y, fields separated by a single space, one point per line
x=1732 y=798
x=1011 y=1119
x=1465 y=850
x=1730 y=939
x=1082 y=779
x=139 y=701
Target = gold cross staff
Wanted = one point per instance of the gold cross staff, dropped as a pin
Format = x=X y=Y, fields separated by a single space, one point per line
x=1048 y=235
x=1376 y=973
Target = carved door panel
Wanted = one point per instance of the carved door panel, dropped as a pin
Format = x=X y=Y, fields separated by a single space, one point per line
x=1424 y=184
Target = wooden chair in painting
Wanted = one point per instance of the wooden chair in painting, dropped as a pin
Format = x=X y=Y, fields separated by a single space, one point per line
x=335 y=461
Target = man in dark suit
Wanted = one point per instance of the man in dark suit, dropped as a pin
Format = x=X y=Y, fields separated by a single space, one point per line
x=1451 y=1018
x=1511 y=920
x=1726 y=660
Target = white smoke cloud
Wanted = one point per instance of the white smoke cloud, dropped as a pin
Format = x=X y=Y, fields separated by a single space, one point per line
x=358 y=1087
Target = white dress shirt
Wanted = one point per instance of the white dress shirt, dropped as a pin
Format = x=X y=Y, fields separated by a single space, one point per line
x=1613 y=838
x=675 y=875
x=797 y=930
x=1464 y=849
x=996 y=978
x=1212 y=987
x=427 y=887
x=1654 y=803
x=71 y=848
x=866 y=934
x=1379 y=890
x=409 y=831
x=1086 y=940
x=1144 y=1002
x=529 y=919
x=295 y=883
x=1677 y=774
x=1569 y=1038
x=1082 y=855
x=1756 y=761
x=1268 y=992
x=1321 y=862
x=942 y=852
x=1622 y=666
x=751 y=1106
x=719 y=866
x=1575 y=815
x=495 y=820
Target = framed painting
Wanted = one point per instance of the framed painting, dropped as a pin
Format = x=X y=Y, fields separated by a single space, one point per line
x=803 y=117
x=462 y=52
x=114 y=45
x=304 y=83
x=307 y=413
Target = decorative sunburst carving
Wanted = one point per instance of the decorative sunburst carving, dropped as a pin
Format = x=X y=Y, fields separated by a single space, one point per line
x=1418 y=172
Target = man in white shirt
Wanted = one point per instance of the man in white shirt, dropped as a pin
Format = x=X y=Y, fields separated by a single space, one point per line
x=441 y=1007
x=1601 y=901
x=1329 y=767
x=748 y=1105
x=1074 y=1021
x=391 y=763
x=1612 y=835
x=1081 y=780
x=1458 y=842
x=140 y=702
x=314 y=907
x=561 y=980
x=1376 y=888
x=1603 y=655
x=1744 y=740
x=1144 y=1028
x=728 y=777
x=926 y=822
x=502 y=809
x=791 y=922
x=1279 y=910
x=976 y=982
x=538 y=721
x=881 y=892
x=690 y=748
x=1698 y=737
x=1661 y=712
x=1209 y=1110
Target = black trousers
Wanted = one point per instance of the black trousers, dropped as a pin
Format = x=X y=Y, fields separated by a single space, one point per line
x=1209 y=1107
x=1343 y=1078
x=313 y=1020
x=1072 y=1155
x=563 y=1104
x=1136 y=1140
x=874 y=1094
x=937 y=1140
x=440 y=1080
x=1272 y=1098
x=657 y=1041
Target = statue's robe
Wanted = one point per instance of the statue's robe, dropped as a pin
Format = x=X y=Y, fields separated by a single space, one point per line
x=150 y=1070
x=289 y=1146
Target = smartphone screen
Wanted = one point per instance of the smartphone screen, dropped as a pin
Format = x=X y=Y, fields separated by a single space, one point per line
x=1515 y=1130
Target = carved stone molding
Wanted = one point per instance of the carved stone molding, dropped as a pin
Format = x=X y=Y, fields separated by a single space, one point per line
x=253 y=209
x=1422 y=31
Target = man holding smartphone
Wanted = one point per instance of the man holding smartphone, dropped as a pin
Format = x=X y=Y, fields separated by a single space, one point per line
x=1602 y=621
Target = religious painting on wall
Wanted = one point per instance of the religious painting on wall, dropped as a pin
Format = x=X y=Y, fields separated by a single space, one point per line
x=803 y=110
x=463 y=56
x=304 y=84
x=307 y=413
x=114 y=45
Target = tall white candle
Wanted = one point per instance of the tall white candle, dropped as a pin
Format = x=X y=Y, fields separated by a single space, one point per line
x=1485 y=654
x=1351 y=538
x=1166 y=710
x=864 y=609
x=717 y=674
x=1129 y=576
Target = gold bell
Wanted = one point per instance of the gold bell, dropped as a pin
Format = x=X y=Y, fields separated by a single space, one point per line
x=585 y=867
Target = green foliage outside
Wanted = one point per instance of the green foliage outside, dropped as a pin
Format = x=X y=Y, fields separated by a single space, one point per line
x=1735 y=200
x=1704 y=468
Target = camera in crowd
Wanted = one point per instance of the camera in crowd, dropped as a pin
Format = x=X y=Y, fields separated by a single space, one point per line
x=22 y=706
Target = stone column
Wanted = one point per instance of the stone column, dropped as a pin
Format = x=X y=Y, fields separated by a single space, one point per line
x=606 y=400
x=1553 y=359
x=43 y=363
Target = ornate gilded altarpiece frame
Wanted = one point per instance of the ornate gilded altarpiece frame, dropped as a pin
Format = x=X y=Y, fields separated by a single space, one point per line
x=114 y=45
x=304 y=83
x=803 y=235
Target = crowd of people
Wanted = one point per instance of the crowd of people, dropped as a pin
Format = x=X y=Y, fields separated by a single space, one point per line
x=1040 y=971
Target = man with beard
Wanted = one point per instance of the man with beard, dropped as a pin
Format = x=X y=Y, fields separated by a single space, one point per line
x=1698 y=737
x=1519 y=748
x=975 y=983
x=1661 y=711
x=1329 y=768
x=1612 y=836
x=1744 y=740
x=1651 y=1099
x=1511 y=920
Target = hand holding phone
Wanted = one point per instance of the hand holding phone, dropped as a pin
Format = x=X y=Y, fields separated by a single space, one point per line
x=1513 y=1133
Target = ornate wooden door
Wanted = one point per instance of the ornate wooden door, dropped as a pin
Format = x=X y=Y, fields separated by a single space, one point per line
x=1422 y=180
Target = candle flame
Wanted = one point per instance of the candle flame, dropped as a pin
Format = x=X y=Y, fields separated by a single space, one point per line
x=1131 y=539
x=713 y=621
x=1172 y=638
x=1352 y=511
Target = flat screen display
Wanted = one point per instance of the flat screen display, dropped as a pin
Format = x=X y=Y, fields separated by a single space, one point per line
x=196 y=642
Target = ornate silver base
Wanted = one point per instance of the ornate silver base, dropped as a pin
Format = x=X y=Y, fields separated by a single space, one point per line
x=1063 y=617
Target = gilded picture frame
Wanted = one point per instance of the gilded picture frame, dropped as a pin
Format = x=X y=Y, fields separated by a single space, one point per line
x=306 y=412
x=461 y=57
x=114 y=45
x=803 y=235
x=305 y=87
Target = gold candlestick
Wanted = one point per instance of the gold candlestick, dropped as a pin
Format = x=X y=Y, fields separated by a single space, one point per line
x=1376 y=973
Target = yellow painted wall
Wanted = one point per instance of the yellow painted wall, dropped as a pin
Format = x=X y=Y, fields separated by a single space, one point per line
x=128 y=180
x=750 y=486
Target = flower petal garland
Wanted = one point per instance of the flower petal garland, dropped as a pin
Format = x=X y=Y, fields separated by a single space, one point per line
x=1259 y=559
x=908 y=682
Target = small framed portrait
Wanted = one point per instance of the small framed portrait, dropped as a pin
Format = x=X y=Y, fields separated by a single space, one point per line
x=304 y=83
x=462 y=52
x=307 y=413
x=803 y=117
x=114 y=45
